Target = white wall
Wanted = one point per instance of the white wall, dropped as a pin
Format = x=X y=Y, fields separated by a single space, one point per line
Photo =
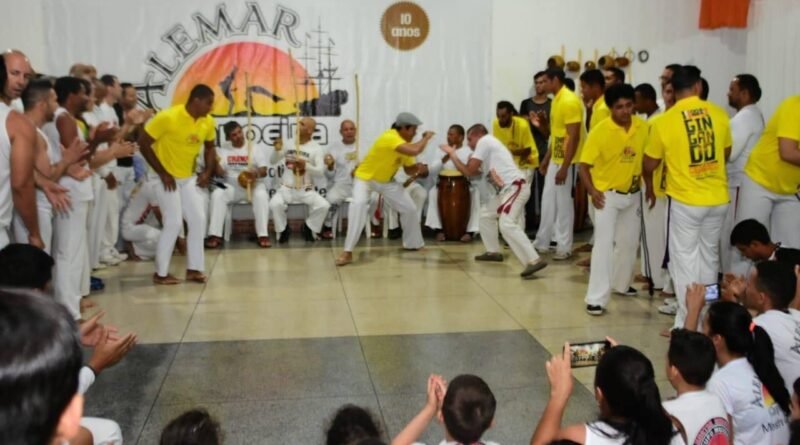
x=23 y=28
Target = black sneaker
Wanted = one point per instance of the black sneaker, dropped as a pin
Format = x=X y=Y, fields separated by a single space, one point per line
x=631 y=292
x=308 y=234
x=395 y=233
x=284 y=236
x=594 y=310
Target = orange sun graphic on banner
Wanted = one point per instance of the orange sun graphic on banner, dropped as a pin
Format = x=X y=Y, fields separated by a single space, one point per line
x=270 y=74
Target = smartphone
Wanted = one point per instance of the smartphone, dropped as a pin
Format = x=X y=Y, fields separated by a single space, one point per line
x=712 y=292
x=588 y=353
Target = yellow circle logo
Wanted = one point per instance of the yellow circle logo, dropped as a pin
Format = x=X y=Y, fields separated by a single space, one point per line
x=405 y=26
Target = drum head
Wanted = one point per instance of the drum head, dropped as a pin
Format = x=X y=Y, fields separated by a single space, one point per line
x=448 y=173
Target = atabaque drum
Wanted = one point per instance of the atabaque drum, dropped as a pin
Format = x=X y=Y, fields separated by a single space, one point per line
x=454 y=204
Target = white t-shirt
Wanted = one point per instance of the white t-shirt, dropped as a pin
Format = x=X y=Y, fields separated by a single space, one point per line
x=703 y=417
x=235 y=160
x=746 y=127
x=784 y=331
x=94 y=118
x=462 y=153
x=597 y=434
x=757 y=419
x=142 y=202
x=494 y=156
x=314 y=156
x=79 y=191
x=6 y=204
x=345 y=157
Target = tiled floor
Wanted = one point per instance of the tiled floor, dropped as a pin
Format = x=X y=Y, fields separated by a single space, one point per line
x=279 y=338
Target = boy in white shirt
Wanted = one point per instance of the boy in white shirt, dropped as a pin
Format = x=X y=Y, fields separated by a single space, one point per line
x=466 y=407
x=690 y=363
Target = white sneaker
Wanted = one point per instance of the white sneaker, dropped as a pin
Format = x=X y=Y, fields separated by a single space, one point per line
x=120 y=256
x=671 y=300
x=561 y=256
x=110 y=260
x=100 y=266
x=668 y=309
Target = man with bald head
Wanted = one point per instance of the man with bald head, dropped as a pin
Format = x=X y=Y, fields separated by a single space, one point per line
x=341 y=160
x=304 y=162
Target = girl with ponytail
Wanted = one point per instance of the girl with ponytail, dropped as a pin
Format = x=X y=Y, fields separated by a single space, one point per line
x=630 y=404
x=747 y=382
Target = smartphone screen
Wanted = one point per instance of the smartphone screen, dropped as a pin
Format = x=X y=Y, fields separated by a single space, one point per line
x=712 y=292
x=587 y=354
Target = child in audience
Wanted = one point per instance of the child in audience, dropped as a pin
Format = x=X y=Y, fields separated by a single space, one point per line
x=466 y=407
x=747 y=382
x=628 y=398
x=690 y=363
x=195 y=427
x=353 y=425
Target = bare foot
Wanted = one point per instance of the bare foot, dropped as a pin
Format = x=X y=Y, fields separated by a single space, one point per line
x=87 y=304
x=586 y=262
x=180 y=246
x=167 y=280
x=440 y=237
x=344 y=259
x=213 y=242
x=666 y=333
x=639 y=278
x=584 y=248
x=196 y=276
x=131 y=252
x=263 y=242
x=467 y=238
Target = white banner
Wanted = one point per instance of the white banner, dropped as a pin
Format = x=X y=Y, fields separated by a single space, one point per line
x=430 y=58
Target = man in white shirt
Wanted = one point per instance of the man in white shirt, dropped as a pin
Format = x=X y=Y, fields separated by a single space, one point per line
x=770 y=289
x=746 y=127
x=492 y=158
x=232 y=161
x=690 y=362
x=340 y=162
x=455 y=138
x=303 y=163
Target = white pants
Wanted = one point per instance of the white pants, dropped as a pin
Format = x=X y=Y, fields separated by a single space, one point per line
x=184 y=203
x=728 y=254
x=616 y=236
x=126 y=180
x=336 y=196
x=317 y=207
x=104 y=431
x=780 y=213
x=45 y=228
x=71 y=256
x=418 y=194
x=98 y=214
x=4 y=238
x=693 y=243
x=655 y=237
x=508 y=223
x=396 y=196
x=221 y=199
x=527 y=174
x=143 y=237
x=558 y=212
x=434 y=220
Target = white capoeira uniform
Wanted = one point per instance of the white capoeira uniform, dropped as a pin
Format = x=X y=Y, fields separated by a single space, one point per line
x=98 y=213
x=43 y=207
x=340 y=180
x=234 y=161
x=138 y=225
x=70 y=234
x=116 y=198
x=299 y=189
x=746 y=128
x=417 y=193
x=503 y=207
x=6 y=203
x=432 y=218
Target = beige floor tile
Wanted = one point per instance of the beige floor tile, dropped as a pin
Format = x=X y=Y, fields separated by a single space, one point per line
x=405 y=282
x=270 y=319
x=387 y=316
x=153 y=323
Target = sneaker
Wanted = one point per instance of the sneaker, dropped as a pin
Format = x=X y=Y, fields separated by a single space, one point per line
x=284 y=236
x=308 y=234
x=489 y=256
x=395 y=233
x=96 y=284
x=671 y=301
x=594 y=310
x=668 y=309
x=120 y=256
x=99 y=266
x=110 y=260
x=631 y=292
x=532 y=268
x=562 y=256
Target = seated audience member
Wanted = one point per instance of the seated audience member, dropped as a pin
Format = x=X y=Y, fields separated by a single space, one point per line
x=690 y=363
x=466 y=407
x=194 y=427
x=747 y=382
x=40 y=359
x=752 y=240
x=353 y=425
x=630 y=404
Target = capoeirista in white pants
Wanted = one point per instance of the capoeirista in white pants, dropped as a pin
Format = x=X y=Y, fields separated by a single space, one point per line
x=397 y=197
x=655 y=231
x=317 y=207
x=45 y=227
x=507 y=221
x=418 y=194
x=71 y=256
x=693 y=243
x=183 y=203
x=558 y=212
x=222 y=198
x=98 y=215
x=616 y=228
x=335 y=196
x=779 y=213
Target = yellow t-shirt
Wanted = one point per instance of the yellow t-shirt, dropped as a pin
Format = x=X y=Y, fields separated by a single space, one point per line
x=691 y=139
x=565 y=109
x=616 y=155
x=383 y=160
x=179 y=138
x=600 y=111
x=765 y=166
x=515 y=136
x=659 y=178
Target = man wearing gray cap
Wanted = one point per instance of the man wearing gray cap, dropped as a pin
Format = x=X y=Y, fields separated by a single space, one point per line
x=391 y=150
